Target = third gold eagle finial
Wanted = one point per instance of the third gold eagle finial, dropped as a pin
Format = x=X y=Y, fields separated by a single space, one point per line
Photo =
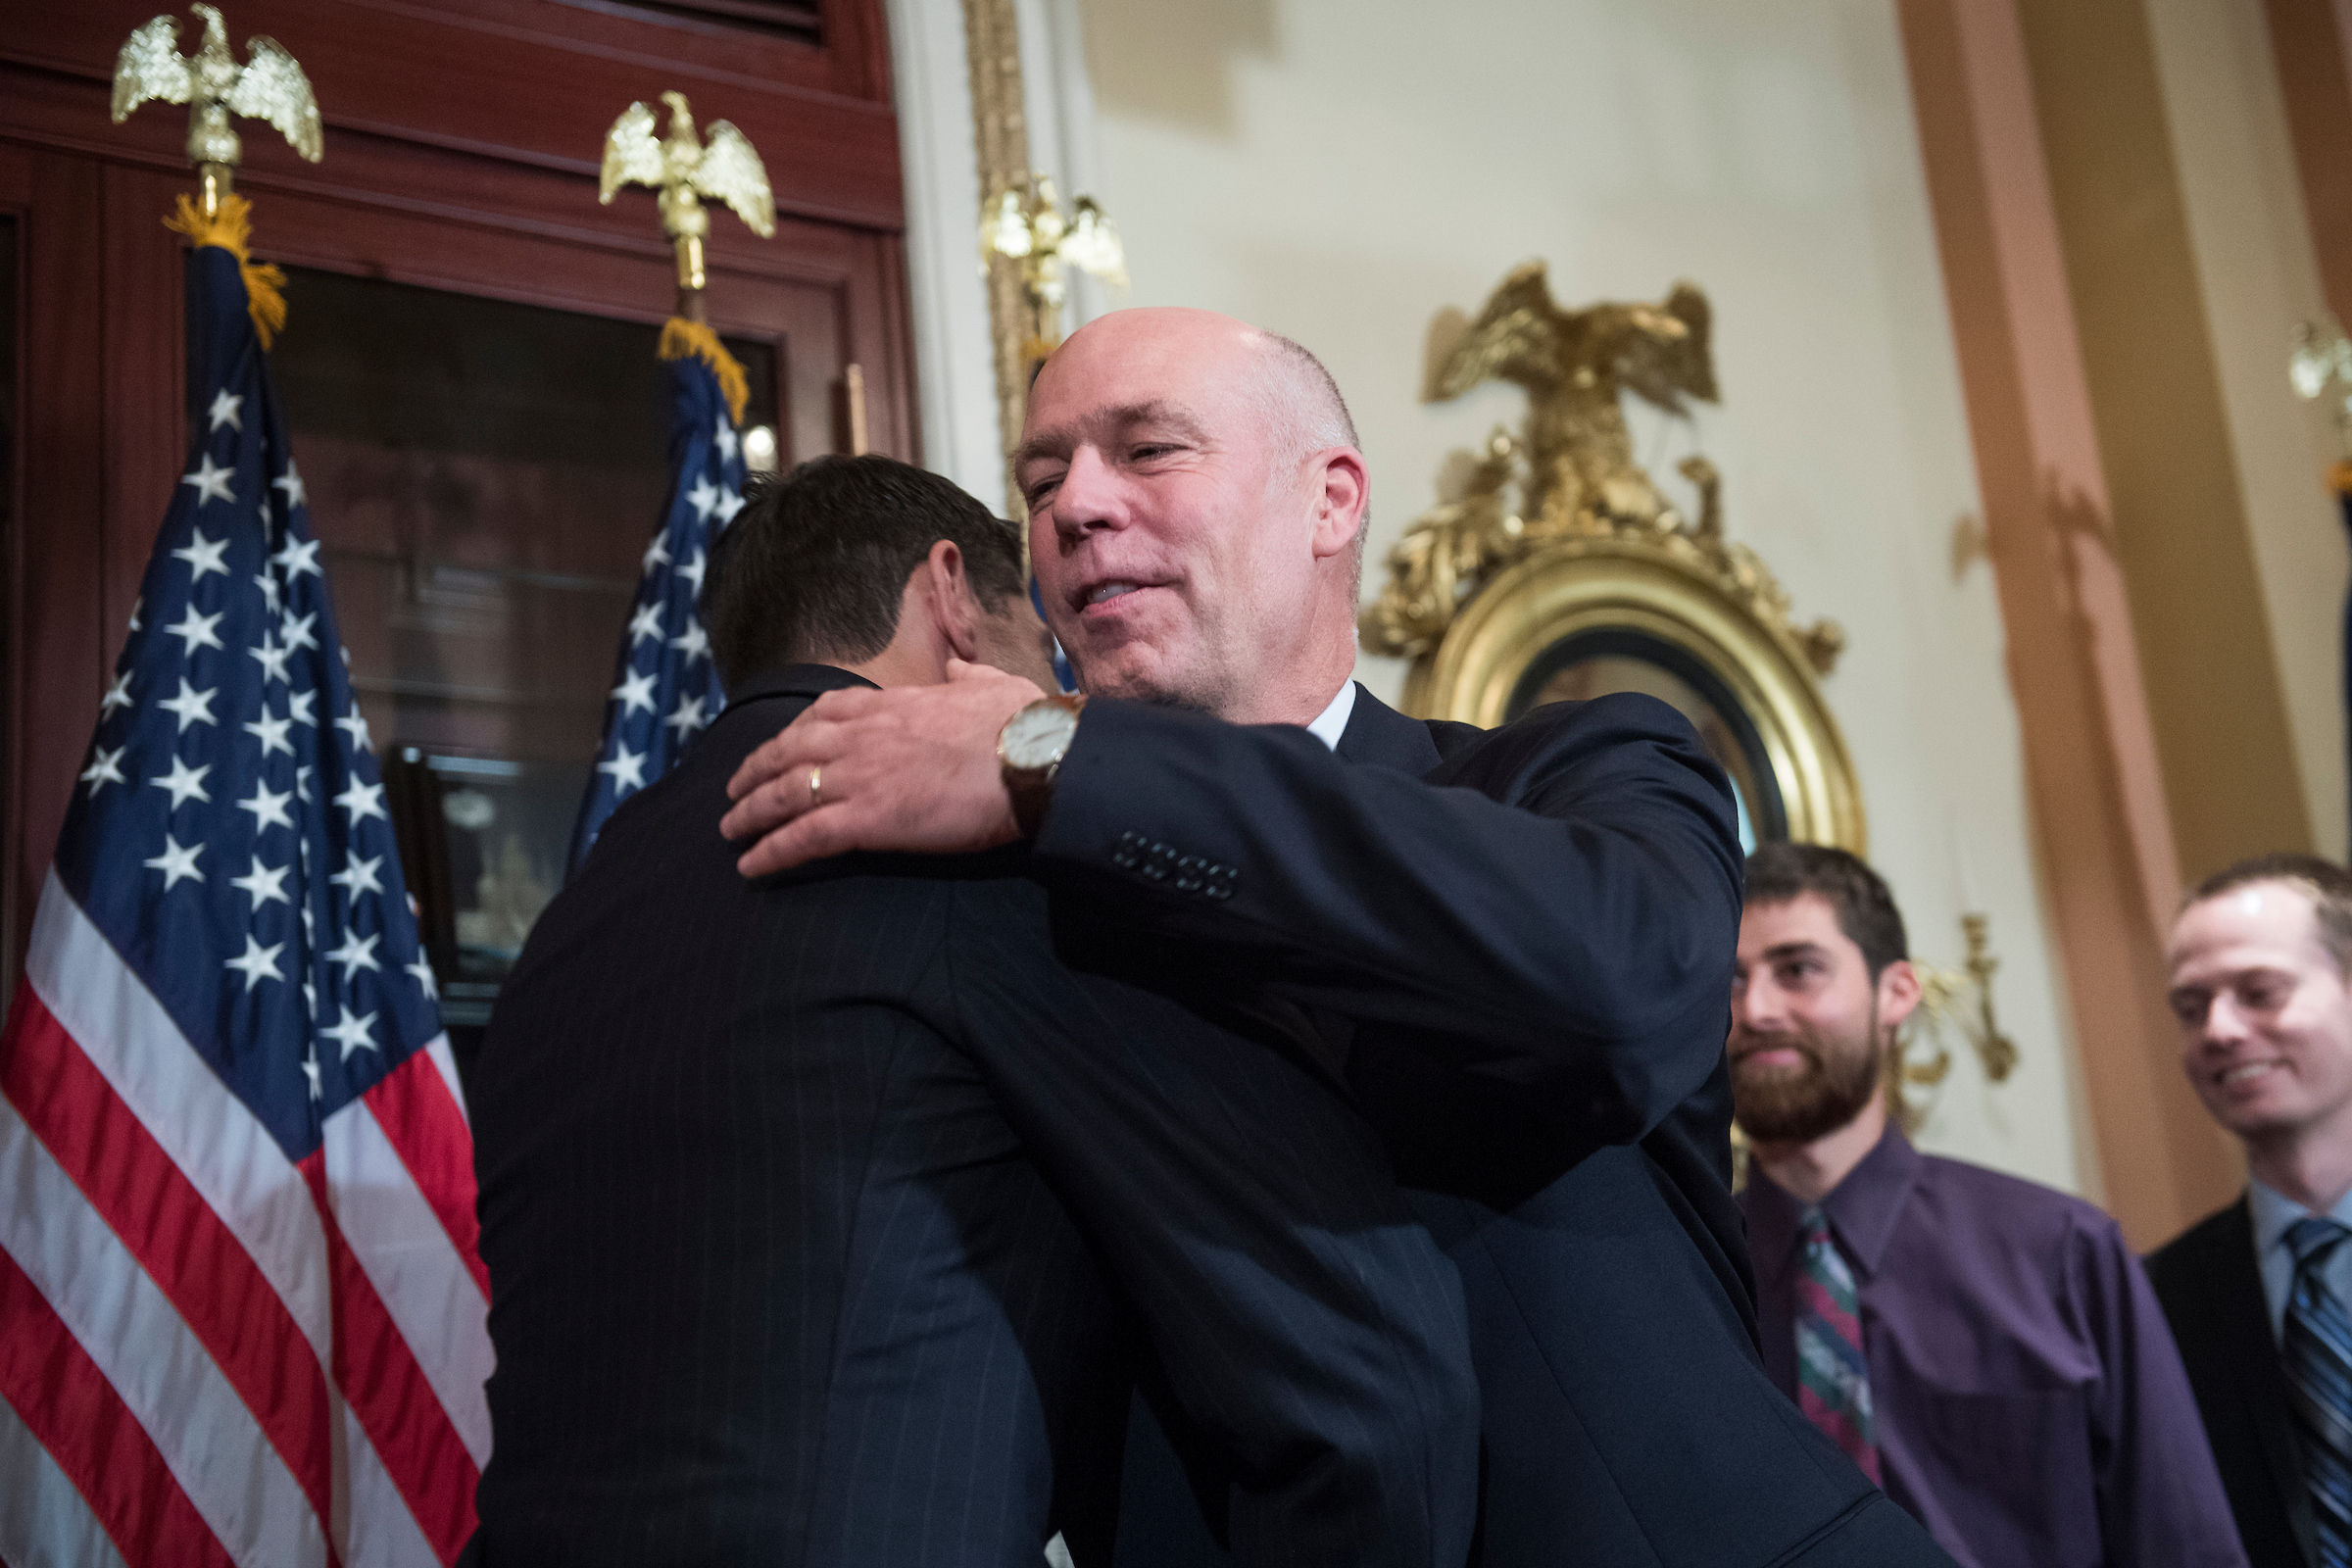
x=685 y=168
x=269 y=86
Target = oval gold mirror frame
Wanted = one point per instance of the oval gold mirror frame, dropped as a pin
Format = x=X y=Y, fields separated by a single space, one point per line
x=1665 y=587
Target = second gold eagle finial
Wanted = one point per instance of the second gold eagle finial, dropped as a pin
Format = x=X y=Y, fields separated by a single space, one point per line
x=683 y=168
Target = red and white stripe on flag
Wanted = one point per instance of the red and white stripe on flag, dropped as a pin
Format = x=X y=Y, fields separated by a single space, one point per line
x=209 y=1352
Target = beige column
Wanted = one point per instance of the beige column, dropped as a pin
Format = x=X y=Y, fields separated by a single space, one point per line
x=2179 y=526
x=2103 y=818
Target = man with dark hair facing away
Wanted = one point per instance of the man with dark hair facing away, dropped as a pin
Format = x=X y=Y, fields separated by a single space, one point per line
x=814 y=1207
x=1986 y=1348
x=2258 y=1292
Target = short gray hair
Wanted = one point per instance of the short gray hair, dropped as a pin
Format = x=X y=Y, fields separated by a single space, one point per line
x=1300 y=399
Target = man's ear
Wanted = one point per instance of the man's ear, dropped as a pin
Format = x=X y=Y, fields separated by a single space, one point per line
x=953 y=610
x=1346 y=489
x=1898 y=992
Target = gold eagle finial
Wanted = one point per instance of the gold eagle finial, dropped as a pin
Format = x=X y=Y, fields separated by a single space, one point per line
x=683 y=168
x=269 y=86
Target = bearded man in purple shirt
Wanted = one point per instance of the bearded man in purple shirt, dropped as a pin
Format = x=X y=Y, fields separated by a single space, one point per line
x=1987 y=1349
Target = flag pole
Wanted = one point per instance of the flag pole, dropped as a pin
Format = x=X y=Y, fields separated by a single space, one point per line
x=666 y=685
x=682 y=169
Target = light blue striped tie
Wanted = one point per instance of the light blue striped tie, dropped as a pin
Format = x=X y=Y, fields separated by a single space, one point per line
x=2318 y=1348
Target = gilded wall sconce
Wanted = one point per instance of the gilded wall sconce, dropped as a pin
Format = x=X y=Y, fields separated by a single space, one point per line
x=1958 y=1000
x=2322 y=358
x=1024 y=223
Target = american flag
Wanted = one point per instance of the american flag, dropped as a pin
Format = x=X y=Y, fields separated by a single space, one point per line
x=667 y=689
x=242 y=1315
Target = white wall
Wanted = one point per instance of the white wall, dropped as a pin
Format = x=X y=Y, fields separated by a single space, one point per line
x=1340 y=171
x=956 y=373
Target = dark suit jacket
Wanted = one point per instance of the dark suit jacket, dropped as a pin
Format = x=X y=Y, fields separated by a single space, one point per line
x=799 y=1201
x=1520 y=943
x=2211 y=1290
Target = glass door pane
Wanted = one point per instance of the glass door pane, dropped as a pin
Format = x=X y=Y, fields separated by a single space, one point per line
x=483 y=477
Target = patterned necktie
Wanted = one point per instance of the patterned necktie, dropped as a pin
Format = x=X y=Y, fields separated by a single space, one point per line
x=1832 y=1381
x=2318 y=1349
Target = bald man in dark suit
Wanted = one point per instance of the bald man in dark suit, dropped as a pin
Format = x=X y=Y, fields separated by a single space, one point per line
x=1515 y=946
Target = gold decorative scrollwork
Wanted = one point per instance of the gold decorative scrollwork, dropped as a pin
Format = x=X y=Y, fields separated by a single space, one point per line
x=1001 y=140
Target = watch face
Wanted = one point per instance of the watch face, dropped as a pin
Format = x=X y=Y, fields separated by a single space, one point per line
x=1038 y=735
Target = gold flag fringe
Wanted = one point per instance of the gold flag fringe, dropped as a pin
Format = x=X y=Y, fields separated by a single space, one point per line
x=681 y=337
x=2340 y=477
x=231 y=230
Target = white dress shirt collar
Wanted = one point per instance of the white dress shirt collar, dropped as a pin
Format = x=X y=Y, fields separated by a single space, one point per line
x=1332 y=722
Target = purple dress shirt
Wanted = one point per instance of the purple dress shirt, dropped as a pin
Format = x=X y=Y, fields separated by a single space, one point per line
x=2030 y=1407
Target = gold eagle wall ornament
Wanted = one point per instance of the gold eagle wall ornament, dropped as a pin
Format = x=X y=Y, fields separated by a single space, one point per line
x=269 y=86
x=1574 y=365
x=685 y=168
x=1572 y=467
x=1554 y=568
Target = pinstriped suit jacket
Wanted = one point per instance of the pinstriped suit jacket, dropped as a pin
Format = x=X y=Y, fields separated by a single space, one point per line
x=825 y=1217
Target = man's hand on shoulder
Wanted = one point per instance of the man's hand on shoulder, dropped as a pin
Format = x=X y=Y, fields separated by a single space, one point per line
x=913 y=768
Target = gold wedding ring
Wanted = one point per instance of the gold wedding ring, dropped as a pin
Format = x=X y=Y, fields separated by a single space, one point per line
x=816 y=785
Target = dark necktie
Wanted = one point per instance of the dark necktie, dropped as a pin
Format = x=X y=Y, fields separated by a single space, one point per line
x=1833 y=1380
x=2318 y=1348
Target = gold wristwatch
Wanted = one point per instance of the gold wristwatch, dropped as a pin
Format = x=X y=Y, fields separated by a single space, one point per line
x=1029 y=750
